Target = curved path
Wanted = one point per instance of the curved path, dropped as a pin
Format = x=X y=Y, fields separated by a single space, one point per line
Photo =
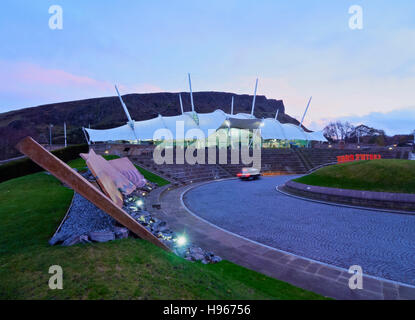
x=382 y=243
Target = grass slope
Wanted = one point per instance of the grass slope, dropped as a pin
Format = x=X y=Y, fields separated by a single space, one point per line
x=80 y=164
x=385 y=175
x=31 y=208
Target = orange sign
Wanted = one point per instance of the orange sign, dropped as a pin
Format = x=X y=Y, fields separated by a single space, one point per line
x=356 y=157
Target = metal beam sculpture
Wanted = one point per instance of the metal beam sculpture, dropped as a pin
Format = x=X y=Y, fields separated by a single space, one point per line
x=67 y=175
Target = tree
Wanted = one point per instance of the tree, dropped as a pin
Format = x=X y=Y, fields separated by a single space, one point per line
x=363 y=131
x=338 y=131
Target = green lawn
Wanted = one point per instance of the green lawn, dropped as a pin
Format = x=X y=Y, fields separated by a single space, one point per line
x=80 y=164
x=385 y=175
x=31 y=208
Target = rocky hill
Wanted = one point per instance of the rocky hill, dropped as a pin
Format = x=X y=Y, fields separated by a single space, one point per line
x=107 y=112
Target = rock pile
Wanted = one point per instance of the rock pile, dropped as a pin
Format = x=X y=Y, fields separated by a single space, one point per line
x=194 y=253
x=135 y=206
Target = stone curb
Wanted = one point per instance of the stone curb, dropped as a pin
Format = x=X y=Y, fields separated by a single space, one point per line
x=383 y=200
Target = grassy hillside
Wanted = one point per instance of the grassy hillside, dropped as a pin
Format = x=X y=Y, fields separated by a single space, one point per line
x=385 y=175
x=31 y=208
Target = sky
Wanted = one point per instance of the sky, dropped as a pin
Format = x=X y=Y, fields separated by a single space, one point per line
x=296 y=48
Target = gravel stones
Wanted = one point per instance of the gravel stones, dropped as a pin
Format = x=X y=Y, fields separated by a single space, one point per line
x=83 y=218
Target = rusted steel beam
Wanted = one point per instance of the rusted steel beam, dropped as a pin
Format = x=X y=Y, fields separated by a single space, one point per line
x=67 y=175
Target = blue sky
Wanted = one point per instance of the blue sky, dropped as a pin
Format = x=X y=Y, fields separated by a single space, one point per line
x=296 y=48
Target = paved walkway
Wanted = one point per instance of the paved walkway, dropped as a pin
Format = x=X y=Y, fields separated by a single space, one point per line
x=242 y=204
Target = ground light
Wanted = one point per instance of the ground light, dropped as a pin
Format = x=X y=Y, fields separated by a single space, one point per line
x=139 y=203
x=181 y=240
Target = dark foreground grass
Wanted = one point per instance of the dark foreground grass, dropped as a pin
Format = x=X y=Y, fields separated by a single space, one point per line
x=32 y=207
x=80 y=164
x=385 y=175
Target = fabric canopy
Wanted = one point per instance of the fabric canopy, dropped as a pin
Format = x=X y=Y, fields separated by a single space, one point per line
x=272 y=129
x=316 y=136
x=120 y=133
x=180 y=127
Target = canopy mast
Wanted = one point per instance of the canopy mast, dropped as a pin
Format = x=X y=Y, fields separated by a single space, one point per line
x=181 y=102
x=124 y=107
x=130 y=121
x=253 y=101
x=191 y=93
x=86 y=136
x=276 y=115
x=64 y=132
x=232 y=106
x=302 y=119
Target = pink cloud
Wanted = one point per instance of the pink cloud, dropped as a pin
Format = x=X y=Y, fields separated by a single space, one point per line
x=31 y=73
x=24 y=77
x=24 y=81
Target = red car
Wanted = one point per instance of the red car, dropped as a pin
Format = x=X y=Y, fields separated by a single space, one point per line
x=249 y=173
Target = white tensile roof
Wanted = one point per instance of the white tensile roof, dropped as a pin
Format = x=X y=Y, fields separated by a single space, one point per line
x=145 y=130
x=272 y=129
x=119 y=133
x=293 y=132
x=316 y=136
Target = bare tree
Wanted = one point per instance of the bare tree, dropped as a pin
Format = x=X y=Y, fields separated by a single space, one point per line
x=338 y=131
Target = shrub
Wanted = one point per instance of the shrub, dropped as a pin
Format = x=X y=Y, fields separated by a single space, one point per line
x=22 y=167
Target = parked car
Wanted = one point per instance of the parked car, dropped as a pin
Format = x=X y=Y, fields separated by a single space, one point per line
x=249 y=173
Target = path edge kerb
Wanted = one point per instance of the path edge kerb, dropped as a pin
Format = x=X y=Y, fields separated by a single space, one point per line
x=189 y=188
x=388 y=201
